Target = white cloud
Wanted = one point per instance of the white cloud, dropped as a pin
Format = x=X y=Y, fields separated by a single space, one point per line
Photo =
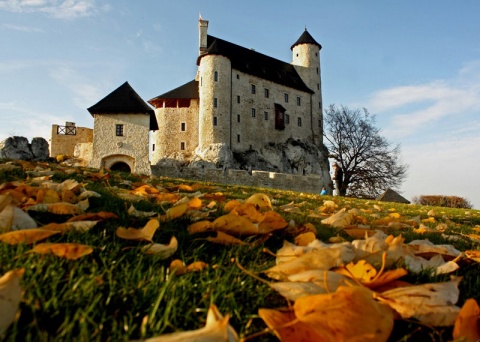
x=61 y=9
x=20 y=28
x=412 y=107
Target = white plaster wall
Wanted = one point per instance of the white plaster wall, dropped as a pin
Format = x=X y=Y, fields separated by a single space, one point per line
x=134 y=143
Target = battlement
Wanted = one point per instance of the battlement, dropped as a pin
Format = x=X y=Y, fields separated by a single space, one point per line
x=274 y=180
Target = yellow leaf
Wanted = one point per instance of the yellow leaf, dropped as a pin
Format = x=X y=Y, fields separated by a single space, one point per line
x=176 y=211
x=144 y=234
x=200 y=227
x=27 y=236
x=249 y=210
x=163 y=251
x=235 y=225
x=177 y=267
x=230 y=205
x=271 y=221
x=10 y=295
x=47 y=196
x=340 y=219
x=361 y=271
x=467 y=323
x=195 y=203
x=197 y=266
x=260 y=200
x=167 y=197
x=70 y=251
x=304 y=239
x=59 y=208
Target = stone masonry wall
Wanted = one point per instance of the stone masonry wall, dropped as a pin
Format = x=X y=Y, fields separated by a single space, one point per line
x=308 y=184
x=65 y=144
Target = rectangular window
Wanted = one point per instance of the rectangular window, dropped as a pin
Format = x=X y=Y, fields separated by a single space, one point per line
x=267 y=93
x=238 y=98
x=254 y=112
x=287 y=119
x=119 y=130
x=317 y=71
x=320 y=105
x=215 y=102
x=215 y=76
x=298 y=100
x=238 y=138
x=318 y=86
x=319 y=123
x=214 y=120
x=299 y=122
x=238 y=117
x=254 y=89
x=286 y=97
x=153 y=147
x=182 y=145
x=183 y=127
x=238 y=76
x=265 y=115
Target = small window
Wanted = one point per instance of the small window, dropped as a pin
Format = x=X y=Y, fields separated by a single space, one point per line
x=254 y=89
x=182 y=145
x=119 y=130
x=214 y=120
x=238 y=98
x=254 y=112
x=238 y=76
x=267 y=93
x=286 y=97
x=299 y=122
x=215 y=102
x=318 y=86
x=183 y=127
x=238 y=138
x=238 y=117
x=320 y=105
x=265 y=115
x=153 y=147
x=318 y=70
x=215 y=76
x=201 y=81
x=298 y=101
x=287 y=119
x=319 y=123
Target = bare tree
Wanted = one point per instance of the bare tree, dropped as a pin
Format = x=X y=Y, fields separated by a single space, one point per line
x=369 y=163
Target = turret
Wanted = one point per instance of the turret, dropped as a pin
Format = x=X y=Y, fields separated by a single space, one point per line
x=202 y=35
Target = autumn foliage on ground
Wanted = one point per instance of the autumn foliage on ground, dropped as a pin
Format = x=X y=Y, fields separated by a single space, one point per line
x=93 y=255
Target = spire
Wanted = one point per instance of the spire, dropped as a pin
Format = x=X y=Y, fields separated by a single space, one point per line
x=306 y=38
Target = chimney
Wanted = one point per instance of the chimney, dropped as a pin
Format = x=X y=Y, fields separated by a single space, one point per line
x=202 y=35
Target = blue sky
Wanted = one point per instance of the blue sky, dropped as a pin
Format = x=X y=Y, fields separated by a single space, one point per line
x=414 y=64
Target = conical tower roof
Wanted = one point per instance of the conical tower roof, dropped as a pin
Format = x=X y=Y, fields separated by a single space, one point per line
x=306 y=38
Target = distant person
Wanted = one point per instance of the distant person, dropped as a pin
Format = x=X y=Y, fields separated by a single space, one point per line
x=337 y=178
x=324 y=191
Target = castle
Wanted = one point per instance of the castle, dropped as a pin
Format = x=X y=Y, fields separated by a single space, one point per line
x=242 y=110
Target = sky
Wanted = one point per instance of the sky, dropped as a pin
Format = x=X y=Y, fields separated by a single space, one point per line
x=414 y=64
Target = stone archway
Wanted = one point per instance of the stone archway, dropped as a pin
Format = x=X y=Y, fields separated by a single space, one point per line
x=119 y=162
x=120 y=166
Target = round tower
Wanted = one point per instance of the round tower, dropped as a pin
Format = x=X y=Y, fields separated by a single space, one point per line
x=306 y=60
x=215 y=98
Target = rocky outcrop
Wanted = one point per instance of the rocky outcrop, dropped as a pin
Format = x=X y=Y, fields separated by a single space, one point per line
x=19 y=148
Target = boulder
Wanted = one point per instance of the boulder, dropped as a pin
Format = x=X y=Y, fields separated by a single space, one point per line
x=19 y=148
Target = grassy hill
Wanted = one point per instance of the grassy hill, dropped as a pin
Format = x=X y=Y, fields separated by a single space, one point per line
x=116 y=292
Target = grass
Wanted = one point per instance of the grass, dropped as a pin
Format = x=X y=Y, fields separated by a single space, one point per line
x=119 y=294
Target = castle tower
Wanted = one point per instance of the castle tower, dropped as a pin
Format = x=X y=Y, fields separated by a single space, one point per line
x=306 y=60
x=215 y=79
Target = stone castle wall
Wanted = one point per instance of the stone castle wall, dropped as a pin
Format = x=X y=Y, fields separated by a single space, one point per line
x=65 y=143
x=308 y=184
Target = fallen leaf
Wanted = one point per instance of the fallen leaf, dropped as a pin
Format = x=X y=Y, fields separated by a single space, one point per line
x=144 y=234
x=235 y=225
x=340 y=219
x=197 y=266
x=175 y=212
x=59 y=208
x=27 y=236
x=467 y=326
x=13 y=218
x=71 y=251
x=200 y=227
x=260 y=200
x=101 y=215
x=304 y=239
x=138 y=213
x=195 y=203
x=10 y=295
x=163 y=251
x=225 y=239
x=272 y=221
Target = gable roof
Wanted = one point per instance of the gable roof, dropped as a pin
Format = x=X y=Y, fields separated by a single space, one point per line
x=188 y=90
x=124 y=100
x=256 y=64
x=306 y=38
x=392 y=196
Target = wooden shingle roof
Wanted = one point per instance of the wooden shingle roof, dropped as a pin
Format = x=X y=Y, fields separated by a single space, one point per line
x=306 y=38
x=256 y=64
x=124 y=100
x=187 y=91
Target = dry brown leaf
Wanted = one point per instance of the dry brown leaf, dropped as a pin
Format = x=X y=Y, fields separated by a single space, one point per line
x=200 y=227
x=177 y=267
x=144 y=234
x=102 y=215
x=304 y=239
x=271 y=221
x=329 y=317
x=78 y=226
x=197 y=266
x=163 y=251
x=71 y=251
x=225 y=239
x=138 y=213
x=13 y=218
x=59 y=208
x=249 y=210
x=27 y=236
x=467 y=326
x=167 y=197
x=359 y=233
x=230 y=205
x=260 y=200
x=46 y=196
x=195 y=203
x=340 y=219
x=10 y=295
x=235 y=225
